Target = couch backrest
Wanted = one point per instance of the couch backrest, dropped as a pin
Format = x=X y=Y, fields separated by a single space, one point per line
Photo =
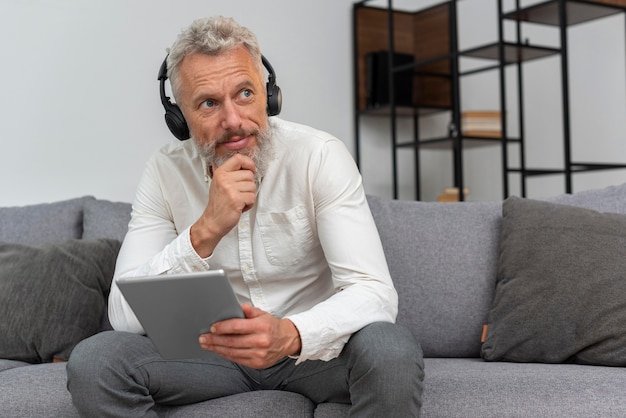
x=442 y=258
x=50 y=223
x=45 y=223
x=105 y=219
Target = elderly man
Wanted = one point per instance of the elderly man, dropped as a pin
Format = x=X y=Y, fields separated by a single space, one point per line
x=280 y=207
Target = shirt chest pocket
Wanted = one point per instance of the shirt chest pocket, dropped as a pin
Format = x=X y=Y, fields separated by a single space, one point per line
x=287 y=236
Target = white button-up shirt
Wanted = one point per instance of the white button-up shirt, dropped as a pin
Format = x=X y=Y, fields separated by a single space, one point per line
x=308 y=250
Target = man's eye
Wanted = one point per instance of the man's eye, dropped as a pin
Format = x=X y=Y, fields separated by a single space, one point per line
x=246 y=93
x=208 y=103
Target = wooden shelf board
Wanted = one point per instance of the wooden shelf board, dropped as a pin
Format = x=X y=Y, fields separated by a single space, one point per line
x=580 y=167
x=536 y=171
x=575 y=168
x=404 y=111
x=547 y=13
x=513 y=53
x=447 y=142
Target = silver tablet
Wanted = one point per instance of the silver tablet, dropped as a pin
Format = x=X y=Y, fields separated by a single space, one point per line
x=174 y=309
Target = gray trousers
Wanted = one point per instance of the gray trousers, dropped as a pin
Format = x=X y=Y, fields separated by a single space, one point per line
x=117 y=374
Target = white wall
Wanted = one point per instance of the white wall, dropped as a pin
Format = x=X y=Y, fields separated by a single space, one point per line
x=80 y=110
x=81 y=114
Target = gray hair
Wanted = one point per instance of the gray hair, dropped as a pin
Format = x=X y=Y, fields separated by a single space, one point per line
x=210 y=36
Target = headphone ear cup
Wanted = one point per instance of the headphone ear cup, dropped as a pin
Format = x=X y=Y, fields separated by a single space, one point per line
x=274 y=99
x=176 y=122
x=173 y=115
x=274 y=95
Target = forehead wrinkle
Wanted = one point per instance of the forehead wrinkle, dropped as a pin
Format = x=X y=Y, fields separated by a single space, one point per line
x=204 y=77
x=206 y=86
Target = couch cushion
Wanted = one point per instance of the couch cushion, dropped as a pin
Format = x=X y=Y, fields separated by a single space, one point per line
x=36 y=391
x=257 y=404
x=332 y=410
x=52 y=297
x=474 y=388
x=560 y=287
x=11 y=364
x=43 y=223
x=40 y=391
x=106 y=219
x=442 y=258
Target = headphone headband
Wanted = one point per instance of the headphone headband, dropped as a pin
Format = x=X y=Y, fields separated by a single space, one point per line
x=174 y=116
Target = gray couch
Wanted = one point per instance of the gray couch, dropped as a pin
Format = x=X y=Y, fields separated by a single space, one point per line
x=443 y=259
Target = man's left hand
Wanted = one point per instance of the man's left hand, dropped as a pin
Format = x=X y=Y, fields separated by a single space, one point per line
x=258 y=341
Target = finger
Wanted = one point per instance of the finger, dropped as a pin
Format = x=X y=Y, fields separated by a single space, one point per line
x=238 y=326
x=217 y=342
x=245 y=177
x=233 y=326
x=245 y=357
x=241 y=349
x=250 y=311
x=239 y=185
x=238 y=162
x=246 y=162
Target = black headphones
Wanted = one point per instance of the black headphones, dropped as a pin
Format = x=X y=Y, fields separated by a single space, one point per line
x=174 y=116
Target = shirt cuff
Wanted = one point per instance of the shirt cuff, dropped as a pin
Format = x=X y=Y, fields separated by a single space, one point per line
x=317 y=339
x=190 y=261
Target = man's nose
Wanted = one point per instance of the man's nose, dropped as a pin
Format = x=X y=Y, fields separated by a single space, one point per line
x=230 y=115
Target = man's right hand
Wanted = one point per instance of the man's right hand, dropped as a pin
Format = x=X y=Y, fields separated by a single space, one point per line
x=232 y=192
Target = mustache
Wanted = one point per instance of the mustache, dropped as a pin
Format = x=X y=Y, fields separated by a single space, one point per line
x=226 y=136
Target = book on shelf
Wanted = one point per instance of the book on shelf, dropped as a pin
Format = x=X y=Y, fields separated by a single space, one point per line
x=481 y=123
x=451 y=194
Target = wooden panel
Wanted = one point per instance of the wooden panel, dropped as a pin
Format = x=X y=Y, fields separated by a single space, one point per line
x=432 y=40
x=432 y=91
x=618 y=3
x=432 y=37
x=372 y=32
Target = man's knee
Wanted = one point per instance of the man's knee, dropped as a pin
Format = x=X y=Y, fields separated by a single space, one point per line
x=392 y=338
x=101 y=352
x=87 y=354
x=385 y=359
x=388 y=345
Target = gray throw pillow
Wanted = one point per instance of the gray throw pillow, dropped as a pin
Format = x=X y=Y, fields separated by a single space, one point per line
x=52 y=297
x=561 y=286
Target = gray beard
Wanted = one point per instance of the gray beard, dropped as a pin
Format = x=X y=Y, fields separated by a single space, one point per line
x=262 y=154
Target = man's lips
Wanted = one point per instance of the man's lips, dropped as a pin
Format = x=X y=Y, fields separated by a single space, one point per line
x=236 y=143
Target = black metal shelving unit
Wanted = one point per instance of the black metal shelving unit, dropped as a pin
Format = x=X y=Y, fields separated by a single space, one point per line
x=560 y=14
x=442 y=64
